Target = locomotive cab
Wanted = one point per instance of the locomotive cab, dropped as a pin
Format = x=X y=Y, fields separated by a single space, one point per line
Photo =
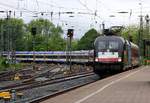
x=114 y=53
x=108 y=53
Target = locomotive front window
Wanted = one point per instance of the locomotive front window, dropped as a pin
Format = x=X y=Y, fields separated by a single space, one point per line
x=113 y=45
x=102 y=45
x=107 y=44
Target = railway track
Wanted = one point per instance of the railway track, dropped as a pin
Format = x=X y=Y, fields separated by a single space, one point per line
x=8 y=75
x=58 y=92
x=50 y=73
x=31 y=83
x=25 y=73
x=58 y=85
x=37 y=91
x=34 y=91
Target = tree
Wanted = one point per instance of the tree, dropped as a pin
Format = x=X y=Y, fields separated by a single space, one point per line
x=48 y=36
x=131 y=32
x=44 y=26
x=75 y=44
x=12 y=33
x=86 y=42
x=56 y=42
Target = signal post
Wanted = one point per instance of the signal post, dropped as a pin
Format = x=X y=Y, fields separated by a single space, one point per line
x=33 y=32
x=68 y=52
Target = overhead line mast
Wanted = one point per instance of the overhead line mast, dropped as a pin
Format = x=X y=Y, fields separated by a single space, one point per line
x=141 y=32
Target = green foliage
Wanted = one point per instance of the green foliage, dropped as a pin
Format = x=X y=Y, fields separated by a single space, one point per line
x=131 y=32
x=16 y=35
x=3 y=64
x=48 y=36
x=56 y=43
x=12 y=32
x=44 y=26
x=16 y=66
x=75 y=44
x=86 y=42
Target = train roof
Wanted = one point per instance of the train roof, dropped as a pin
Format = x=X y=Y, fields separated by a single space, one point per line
x=50 y=52
x=110 y=38
x=119 y=38
x=134 y=45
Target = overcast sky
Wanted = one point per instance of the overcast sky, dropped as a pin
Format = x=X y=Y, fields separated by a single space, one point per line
x=80 y=22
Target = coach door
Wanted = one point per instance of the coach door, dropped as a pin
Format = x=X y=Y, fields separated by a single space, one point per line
x=127 y=54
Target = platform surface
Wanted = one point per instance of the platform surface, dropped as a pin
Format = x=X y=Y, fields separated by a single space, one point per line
x=132 y=86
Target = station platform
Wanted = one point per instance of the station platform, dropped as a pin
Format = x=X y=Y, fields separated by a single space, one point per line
x=132 y=86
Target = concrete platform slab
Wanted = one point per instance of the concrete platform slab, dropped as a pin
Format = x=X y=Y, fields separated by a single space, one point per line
x=132 y=86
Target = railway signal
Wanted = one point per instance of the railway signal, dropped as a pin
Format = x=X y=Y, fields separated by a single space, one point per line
x=33 y=31
x=68 y=55
x=70 y=33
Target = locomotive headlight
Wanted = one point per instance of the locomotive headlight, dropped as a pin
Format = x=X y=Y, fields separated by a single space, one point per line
x=119 y=59
x=96 y=59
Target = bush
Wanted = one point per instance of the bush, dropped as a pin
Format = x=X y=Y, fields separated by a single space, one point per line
x=5 y=65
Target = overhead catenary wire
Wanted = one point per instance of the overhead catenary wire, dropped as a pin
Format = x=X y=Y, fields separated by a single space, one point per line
x=37 y=4
x=47 y=13
x=56 y=6
x=37 y=11
x=27 y=10
x=54 y=13
x=85 y=6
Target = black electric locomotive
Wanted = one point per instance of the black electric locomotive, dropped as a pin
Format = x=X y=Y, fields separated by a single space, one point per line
x=114 y=53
